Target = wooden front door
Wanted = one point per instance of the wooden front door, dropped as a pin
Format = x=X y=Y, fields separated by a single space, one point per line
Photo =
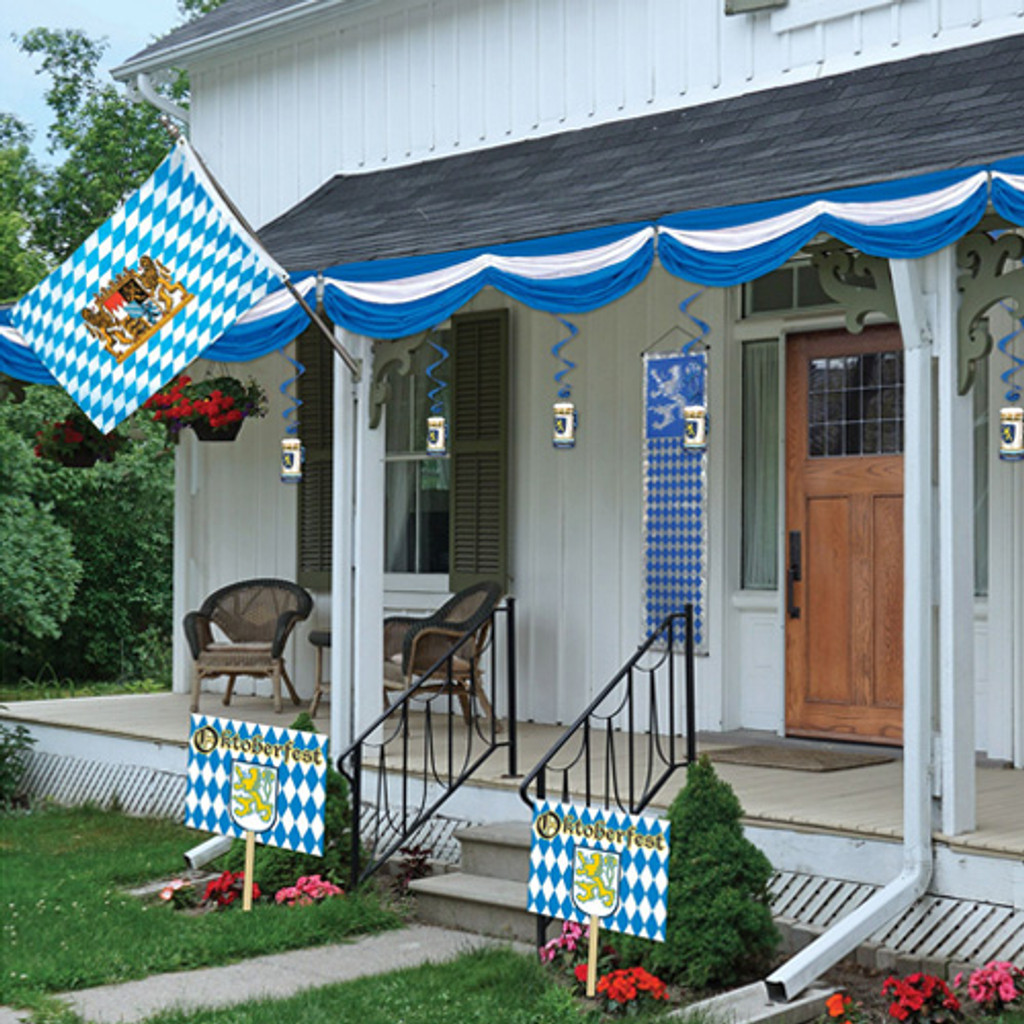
x=844 y=535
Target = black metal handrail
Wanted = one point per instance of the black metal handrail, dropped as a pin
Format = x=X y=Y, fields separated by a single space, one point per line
x=412 y=783
x=611 y=720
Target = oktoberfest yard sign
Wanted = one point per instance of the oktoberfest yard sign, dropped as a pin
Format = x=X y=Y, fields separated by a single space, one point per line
x=255 y=780
x=588 y=863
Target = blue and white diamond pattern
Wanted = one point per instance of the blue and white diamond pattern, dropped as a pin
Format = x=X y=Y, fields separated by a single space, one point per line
x=177 y=218
x=302 y=784
x=643 y=893
x=675 y=493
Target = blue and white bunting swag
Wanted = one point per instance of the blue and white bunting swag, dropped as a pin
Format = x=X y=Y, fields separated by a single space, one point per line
x=146 y=293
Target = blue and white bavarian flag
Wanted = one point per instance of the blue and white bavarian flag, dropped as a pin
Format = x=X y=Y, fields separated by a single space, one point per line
x=146 y=293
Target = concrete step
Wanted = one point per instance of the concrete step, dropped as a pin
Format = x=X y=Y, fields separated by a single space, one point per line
x=501 y=850
x=474 y=903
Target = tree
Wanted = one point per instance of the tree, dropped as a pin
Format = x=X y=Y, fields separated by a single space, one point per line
x=111 y=144
x=22 y=263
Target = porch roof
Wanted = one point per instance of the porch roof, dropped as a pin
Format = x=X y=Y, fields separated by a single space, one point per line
x=951 y=109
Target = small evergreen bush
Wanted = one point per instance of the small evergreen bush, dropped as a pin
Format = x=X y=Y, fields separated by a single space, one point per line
x=15 y=742
x=719 y=929
x=276 y=869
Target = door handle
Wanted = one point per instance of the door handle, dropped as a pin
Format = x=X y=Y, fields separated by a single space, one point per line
x=794 y=573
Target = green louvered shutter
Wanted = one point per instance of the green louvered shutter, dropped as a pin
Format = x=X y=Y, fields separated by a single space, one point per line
x=316 y=423
x=479 y=449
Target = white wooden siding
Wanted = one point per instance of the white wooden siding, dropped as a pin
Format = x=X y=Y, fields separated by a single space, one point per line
x=400 y=82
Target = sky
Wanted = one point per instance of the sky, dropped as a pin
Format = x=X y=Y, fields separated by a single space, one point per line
x=128 y=25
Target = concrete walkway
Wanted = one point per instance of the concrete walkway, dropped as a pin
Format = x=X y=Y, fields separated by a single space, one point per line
x=266 y=977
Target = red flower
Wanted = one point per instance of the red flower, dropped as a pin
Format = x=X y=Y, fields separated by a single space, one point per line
x=581 y=971
x=836 y=1004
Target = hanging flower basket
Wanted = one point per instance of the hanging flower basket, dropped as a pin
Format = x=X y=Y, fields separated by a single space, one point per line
x=214 y=408
x=206 y=432
x=76 y=442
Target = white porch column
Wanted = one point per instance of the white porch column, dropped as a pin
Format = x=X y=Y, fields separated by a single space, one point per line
x=956 y=565
x=918 y=562
x=357 y=559
x=357 y=573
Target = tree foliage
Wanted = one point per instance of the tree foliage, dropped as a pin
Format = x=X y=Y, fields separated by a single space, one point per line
x=110 y=144
x=22 y=263
x=85 y=554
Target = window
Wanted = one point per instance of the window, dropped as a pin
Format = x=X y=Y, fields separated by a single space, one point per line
x=982 y=442
x=760 y=482
x=416 y=488
x=855 y=405
x=315 y=389
x=791 y=288
x=449 y=514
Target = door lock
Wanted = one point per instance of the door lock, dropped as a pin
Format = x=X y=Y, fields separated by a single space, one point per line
x=794 y=573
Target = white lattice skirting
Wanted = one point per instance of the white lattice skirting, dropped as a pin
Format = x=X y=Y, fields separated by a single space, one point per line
x=135 y=789
x=934 y=934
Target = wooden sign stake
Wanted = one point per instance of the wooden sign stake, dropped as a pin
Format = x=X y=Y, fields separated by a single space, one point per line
x=595 y=927
x=250 y=866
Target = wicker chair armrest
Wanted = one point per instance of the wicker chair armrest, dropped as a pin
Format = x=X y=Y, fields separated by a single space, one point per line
x=430 y=643
x=286 y=622
x=197 y=632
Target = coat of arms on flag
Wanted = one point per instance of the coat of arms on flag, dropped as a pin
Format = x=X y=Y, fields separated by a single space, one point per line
x=132 y=307
x=146 y=293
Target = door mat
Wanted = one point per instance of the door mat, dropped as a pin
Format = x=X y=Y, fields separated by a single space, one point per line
x=796 y=758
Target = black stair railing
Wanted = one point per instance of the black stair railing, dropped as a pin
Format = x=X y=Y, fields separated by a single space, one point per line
x=627 y=743
x=421 y=749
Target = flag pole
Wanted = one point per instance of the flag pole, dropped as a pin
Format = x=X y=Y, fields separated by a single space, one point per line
x=347 y=358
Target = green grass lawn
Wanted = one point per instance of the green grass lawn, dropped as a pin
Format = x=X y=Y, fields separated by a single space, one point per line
x=491 y=986
x=68 y=922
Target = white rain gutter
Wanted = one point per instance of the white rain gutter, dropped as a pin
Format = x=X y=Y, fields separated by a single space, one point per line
x=839 y=941
x=141 y=88
x=174 y=55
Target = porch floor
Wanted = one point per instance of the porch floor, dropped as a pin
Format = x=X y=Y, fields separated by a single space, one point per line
x=862 y=801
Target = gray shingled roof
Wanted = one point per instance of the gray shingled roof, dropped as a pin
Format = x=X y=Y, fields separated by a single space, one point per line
x=957 y=108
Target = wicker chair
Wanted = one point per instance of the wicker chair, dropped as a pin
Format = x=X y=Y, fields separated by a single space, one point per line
x=413 y=645
x=256 y=617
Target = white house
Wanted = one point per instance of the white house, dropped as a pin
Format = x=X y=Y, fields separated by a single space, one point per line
x=575 y=184
x=358 y=132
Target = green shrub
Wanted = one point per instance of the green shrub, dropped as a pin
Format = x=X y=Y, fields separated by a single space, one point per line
x=276 y=868
x=14 y=745
x=719 y=929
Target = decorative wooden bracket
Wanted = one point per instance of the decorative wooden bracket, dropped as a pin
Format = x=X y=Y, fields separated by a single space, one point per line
x=387 y=356
x=986 y=282
x=860 y=284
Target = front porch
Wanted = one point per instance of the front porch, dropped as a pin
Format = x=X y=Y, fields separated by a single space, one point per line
x=864 y=804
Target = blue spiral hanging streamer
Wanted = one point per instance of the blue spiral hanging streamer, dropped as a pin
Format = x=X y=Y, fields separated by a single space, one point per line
x=291 y=414
x=704 y=328
x=434 y=395
x=565 y=390
x=1014 y=392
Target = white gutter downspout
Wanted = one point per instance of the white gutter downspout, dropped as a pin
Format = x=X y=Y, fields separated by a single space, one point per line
x=828 y=949
x=142 y=86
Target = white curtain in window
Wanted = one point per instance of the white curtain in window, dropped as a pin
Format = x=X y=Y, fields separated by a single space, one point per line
x=760 y=465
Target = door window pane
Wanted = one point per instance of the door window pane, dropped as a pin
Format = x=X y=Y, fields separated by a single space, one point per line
x=855 y=405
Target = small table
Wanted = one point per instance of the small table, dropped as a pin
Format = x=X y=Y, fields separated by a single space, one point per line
x=319 y=638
